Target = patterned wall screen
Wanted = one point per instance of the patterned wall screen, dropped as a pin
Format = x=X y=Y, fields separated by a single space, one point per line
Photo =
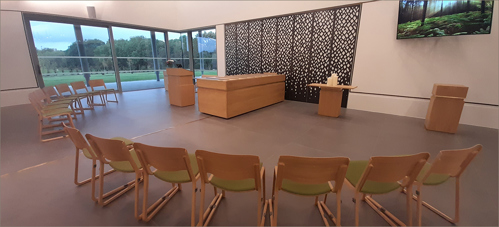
x=306 y=47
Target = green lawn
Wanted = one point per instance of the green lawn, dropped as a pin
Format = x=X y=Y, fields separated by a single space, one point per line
x=109 y=78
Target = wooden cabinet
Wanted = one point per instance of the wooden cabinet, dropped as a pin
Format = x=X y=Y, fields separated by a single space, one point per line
x=446 y=106
x=234 y=95
x=180 y=86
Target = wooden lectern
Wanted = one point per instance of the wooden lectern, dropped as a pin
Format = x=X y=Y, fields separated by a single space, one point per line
x=180 y=86
x=446 y=106
x=330 y=99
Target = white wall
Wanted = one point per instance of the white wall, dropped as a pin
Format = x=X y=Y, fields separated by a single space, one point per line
x=385 y=65
x=221 y=50
x=204 y=13
x=16 y=71
x=158 y=14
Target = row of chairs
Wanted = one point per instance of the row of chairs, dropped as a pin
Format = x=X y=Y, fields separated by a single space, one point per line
x=240 y=173
x=61 y=104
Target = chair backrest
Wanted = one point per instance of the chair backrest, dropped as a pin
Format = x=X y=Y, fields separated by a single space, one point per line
x=453 y=162
x=110 y=150
x=50 y=91
x=96 y=83
x=77 y=138
x=39 y=97
x=63 y=88
x=163 y=158
x=307 y=170
x=396 y=168
x=228 y=167
x=78 y=85
x=33 y=99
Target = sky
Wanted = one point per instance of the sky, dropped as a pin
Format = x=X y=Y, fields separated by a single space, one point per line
x=60 y=36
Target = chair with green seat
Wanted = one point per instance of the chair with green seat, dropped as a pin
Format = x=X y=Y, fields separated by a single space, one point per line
x=173 y=165
x=65 y=92
x=448 y=163
x=381 y=175
x=80 y=88
x=310 y=177
x=116 y=154
x=46 y=104
x=50 y=114
x=237 y=173
x=52 y=97
x=95 y=84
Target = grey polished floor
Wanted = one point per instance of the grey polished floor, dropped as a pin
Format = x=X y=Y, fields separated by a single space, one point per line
x=37 y=178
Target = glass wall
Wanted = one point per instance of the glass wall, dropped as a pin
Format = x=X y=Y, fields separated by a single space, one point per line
x=179 y=49
x=205 y=52
x=68 y=51
x=64 y=60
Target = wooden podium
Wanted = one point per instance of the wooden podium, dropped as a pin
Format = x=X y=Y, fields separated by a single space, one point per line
x=180 y=86
x=446 y=106
x=330 y=99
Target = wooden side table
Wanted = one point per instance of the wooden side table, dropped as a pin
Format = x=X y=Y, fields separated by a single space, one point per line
x=446 y=106
x=330 y=98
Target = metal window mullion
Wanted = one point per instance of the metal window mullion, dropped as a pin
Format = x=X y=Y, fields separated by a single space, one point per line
x=191 y=52
x=33 y=53
x=115 y=59
x=167 y=43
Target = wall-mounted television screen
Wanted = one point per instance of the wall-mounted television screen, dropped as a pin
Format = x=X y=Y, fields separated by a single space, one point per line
x=434 y=18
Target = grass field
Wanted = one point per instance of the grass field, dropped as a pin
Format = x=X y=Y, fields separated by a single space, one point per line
x=109 y=78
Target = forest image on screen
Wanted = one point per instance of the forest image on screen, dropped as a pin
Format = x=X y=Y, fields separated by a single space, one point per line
x=433 y=18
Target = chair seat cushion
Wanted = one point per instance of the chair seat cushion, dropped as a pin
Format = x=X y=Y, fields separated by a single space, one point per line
x=125 y=166
x=181 y=176
x=433 y=179
x=53 y=106
x=56 y=112
x=234 y=185
x=87 y=154
x=305 y=189
x=127 y=141
x=354 y=173
x=61 y=102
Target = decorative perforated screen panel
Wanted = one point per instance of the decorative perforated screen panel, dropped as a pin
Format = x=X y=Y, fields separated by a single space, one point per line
x=306 y=47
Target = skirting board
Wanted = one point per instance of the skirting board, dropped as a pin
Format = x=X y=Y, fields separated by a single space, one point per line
x=473 y=114
x=15 y=97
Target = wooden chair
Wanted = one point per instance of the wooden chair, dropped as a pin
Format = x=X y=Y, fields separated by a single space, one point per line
x=63 y=89
x=173 y=165
x=54 y=113
x=51 y=96
x=309 y=177
x=238 y=173
x=381 y=175
x=448 y=163
x=78 y=86
x=117 y=154
x=100 y=83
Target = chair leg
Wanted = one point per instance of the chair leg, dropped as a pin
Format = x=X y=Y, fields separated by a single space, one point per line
x=385 y=214
x=419 y=203
x=259 y=209
x=136 y=204
x=456 y=217
x=409 y=205
x=193 y=206
x=275 y=206
x=76 y=168
x=201 y=205
x=338 y=208
x=357 y=206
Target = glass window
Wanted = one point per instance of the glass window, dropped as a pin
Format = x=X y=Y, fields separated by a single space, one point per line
x=62 y=60
x=138 y=66
x=205 y=52
x=179 y=49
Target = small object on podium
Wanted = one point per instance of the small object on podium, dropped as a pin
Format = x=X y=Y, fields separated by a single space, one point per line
x=180 y=86
x=333 y=80
x=446 y=106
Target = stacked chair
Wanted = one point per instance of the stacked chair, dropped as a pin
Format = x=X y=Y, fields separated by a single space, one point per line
x=49 y=113
x=243 y=173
